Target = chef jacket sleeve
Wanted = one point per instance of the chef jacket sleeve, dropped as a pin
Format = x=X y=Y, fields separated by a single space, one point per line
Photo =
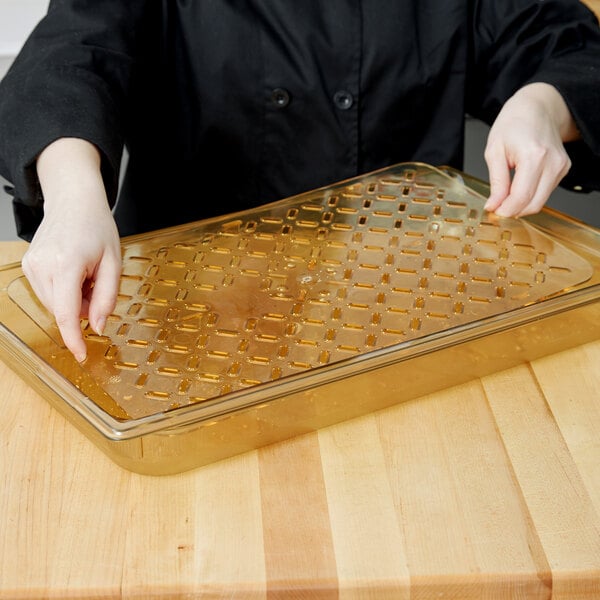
x=517 y=42
x=70 y=79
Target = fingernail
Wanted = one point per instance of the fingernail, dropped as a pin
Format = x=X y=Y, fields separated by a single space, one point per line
x=100 y=324
x=80 y=357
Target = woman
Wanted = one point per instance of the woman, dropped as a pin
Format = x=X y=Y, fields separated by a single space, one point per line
x=224 y=104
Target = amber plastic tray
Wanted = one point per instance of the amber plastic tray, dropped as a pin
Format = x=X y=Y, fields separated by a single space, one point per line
x=246 y=329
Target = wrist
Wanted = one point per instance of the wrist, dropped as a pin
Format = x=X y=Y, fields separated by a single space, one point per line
x=69 y=173
x=549 y=99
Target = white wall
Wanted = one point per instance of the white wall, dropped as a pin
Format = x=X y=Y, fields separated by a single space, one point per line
x=17 y=19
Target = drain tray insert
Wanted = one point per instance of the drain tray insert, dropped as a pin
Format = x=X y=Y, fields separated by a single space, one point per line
x=227 y=315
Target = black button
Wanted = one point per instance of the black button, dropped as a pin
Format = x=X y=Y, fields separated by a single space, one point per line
x=280 y=97
x=343 y=99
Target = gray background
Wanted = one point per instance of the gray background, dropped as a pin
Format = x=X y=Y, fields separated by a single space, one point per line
x=585 y=207
x=7 y=225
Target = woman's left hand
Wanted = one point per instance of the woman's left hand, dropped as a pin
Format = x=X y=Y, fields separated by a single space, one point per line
x=525 y=154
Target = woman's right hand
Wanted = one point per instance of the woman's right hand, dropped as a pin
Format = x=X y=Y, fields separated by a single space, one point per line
x=74 y=261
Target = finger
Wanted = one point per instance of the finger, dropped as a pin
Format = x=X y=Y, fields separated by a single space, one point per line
x=67 y=308
x=523 y=188
x=550 y=177
x=104 y=293
x=42 y=290
x=547 y=184
x=545 y=187
x=38 y=280
x=499 y=175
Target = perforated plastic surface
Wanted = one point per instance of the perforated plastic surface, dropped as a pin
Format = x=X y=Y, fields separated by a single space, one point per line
x=310 y=281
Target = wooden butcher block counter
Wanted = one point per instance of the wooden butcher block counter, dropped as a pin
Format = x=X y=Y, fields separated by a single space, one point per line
x=486 y=490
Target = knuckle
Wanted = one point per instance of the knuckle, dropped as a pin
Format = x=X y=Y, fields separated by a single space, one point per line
x=31 y=263
x=26 y=266
x=563 y=163
x=489 y=152
x=61 y=321
x=539 y=152
x=104 y=305
x=63 y=260
x=496 y=181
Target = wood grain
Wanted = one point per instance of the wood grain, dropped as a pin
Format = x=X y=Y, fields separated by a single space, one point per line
x=555 y=495
x=202 y=530
x=299 y=551
x=489 y=489
x=362 y=513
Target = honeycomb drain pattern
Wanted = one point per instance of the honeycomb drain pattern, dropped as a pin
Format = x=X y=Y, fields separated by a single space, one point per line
x=394 y=256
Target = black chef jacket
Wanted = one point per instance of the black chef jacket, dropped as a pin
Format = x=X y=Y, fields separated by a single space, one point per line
x=225 y=104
